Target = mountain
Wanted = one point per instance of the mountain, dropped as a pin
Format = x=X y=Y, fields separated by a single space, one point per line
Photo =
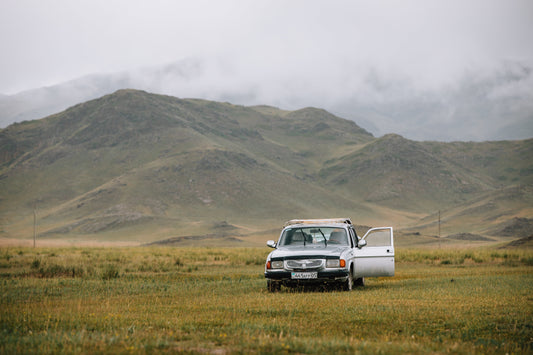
x=478 y=106
x=138 y=166
x=417 y=175
x=135 y=158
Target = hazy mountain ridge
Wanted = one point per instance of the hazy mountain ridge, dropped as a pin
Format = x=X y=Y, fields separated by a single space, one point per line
x=134 y=165
x=393 y=167
x=457 y=111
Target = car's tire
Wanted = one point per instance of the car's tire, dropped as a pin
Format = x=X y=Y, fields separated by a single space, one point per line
x=273 y=286
x=348 y=284
x=359 y=282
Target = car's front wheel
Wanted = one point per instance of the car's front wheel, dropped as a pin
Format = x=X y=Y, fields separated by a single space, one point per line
x=348 y=284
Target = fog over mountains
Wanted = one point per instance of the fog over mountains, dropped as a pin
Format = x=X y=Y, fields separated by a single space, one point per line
x=481 y=105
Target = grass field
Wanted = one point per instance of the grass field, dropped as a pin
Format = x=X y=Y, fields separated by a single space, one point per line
x=201 y=300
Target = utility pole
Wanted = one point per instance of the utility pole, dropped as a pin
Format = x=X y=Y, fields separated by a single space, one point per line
x=34 y=223
x=439 y=229
x=439 y=224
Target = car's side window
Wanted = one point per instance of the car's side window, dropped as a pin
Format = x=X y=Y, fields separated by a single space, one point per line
x=352 y=237
x=356 y=237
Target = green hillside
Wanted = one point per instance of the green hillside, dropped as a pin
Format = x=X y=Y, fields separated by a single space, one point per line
x=430 y=174
x=134 y=166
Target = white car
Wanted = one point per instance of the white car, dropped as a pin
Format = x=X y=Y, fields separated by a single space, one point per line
x=328 y=252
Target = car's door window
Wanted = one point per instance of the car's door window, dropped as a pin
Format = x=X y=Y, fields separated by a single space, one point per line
x=379 y=238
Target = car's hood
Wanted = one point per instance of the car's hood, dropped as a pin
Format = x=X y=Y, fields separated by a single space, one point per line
x=309 y=251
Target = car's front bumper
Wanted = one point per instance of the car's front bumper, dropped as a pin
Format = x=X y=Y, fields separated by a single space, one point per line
x=323 y=276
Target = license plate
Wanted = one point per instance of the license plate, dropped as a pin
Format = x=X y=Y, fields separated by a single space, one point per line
x=304 y=275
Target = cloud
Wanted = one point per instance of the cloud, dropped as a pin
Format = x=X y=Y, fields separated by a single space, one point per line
x=429 y=42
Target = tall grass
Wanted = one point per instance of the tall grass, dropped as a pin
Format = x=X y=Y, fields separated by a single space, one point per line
x=201 y=300
x=466 y=256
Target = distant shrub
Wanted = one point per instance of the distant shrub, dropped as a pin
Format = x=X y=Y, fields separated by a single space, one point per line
x=478 y=259
x=36 y=263
x=110 y=272
x=255 y=261
x=55 y=270
x=528 y=261
x=511 y=263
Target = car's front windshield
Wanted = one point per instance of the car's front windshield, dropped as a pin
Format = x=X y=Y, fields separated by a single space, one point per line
x=312 y=236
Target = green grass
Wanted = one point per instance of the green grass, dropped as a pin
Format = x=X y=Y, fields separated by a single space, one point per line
x=201 y=300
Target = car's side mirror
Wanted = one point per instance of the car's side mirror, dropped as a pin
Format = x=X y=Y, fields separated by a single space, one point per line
x=271 y=243
x=361 y=243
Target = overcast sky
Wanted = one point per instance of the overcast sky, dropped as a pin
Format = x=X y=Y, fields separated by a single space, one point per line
x=319 y=50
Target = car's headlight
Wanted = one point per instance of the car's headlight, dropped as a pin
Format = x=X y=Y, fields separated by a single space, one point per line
x=274 y=264
x=331 y=263
x=277 y=264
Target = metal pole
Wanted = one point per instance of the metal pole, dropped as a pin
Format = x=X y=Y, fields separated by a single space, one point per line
x=439 y=229
x=34 y=224
x=439 y=223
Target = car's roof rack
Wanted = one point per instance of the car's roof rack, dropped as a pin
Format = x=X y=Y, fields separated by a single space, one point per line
x=318 y=221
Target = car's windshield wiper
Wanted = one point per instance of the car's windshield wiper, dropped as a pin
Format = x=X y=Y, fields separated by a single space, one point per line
x=323 y=236
x=303 y=235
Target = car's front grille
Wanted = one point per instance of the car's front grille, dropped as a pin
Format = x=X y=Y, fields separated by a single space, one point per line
x=304 y=264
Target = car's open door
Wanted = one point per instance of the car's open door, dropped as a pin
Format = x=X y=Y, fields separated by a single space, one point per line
x=376 y=258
